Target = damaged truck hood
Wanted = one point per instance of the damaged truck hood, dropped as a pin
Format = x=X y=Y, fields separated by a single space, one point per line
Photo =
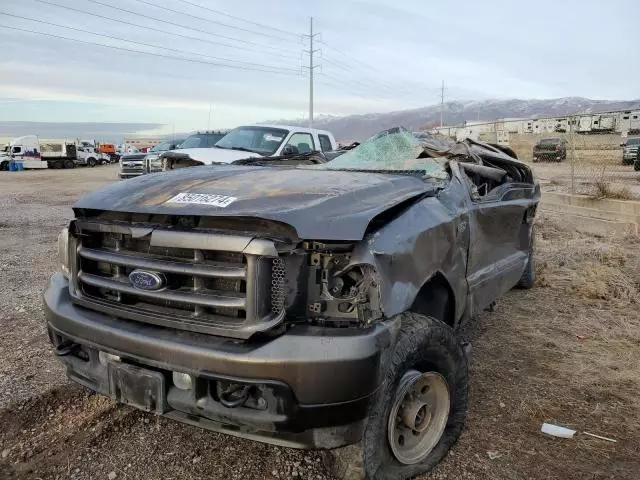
x=318 y=204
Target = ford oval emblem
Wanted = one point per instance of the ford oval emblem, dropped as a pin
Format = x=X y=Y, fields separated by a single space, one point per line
x=145 y=280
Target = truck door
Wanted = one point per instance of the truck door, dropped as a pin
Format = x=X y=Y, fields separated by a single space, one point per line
x=500 y=225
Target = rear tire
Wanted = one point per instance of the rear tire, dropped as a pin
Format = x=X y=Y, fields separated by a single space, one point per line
x=69 y=164
x=426 y=351
x=4 y=165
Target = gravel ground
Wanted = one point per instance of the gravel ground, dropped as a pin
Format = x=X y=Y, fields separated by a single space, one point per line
x=565 y=352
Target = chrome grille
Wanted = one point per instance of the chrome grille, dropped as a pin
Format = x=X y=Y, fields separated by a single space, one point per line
x=221 y=284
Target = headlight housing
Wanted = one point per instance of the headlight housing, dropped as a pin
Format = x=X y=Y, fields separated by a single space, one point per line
x=63 y=252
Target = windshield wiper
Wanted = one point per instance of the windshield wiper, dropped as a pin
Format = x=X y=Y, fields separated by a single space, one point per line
x=244 y=149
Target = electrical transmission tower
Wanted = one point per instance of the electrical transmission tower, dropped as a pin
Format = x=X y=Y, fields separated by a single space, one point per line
x=312 y=66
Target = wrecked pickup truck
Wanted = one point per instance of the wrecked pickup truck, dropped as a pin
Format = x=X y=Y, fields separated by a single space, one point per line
x=309 y=306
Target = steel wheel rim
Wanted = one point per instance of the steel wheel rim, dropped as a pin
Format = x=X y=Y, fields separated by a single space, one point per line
x=418 y=415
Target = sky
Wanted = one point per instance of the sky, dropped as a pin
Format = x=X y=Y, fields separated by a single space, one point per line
x=217 y=64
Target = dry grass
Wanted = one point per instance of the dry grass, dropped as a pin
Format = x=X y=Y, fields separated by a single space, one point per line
x=565 y=352
x=602 y=188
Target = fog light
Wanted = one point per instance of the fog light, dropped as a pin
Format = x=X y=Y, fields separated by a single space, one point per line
x=182 y=380
x=105 y=358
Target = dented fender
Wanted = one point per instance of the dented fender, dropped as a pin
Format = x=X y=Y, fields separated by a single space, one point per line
x=431 y=236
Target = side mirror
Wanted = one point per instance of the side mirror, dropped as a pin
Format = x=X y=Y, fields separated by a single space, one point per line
x=290 y=150
x=622 y=144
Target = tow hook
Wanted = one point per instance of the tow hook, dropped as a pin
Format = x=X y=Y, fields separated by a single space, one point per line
x=66 y=348
x=232 y=395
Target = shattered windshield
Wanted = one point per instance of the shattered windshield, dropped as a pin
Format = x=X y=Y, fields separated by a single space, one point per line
x=393 y=150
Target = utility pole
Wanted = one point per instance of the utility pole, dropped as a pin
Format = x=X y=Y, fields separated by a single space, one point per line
x=311 y=67
x=442 y=104
x=209 y=120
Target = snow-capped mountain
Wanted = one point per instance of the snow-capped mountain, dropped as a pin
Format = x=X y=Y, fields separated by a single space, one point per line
x=360 y=127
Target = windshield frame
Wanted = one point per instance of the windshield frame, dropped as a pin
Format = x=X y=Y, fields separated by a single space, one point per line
x=267 y=153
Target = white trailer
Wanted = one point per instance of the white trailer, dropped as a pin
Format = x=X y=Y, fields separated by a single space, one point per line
x=584 y=123
x=628 y=122
x=603 y=123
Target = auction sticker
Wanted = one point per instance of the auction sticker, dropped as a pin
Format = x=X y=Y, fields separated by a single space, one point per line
x=203 y=199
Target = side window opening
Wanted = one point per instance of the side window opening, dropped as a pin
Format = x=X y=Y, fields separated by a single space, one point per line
x=485 y=180
x=325 y=143
x=302 y=141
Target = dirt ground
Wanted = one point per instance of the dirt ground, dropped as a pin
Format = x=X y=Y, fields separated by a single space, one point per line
x=565 y=352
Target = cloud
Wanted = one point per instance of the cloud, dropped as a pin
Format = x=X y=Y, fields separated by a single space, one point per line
x=374 y=56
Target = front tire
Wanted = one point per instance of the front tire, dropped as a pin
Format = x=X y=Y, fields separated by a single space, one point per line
x=528 y=278
x=91 y=162
x=421 y=407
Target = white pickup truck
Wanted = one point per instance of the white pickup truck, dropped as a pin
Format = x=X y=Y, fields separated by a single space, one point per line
x=253 y=141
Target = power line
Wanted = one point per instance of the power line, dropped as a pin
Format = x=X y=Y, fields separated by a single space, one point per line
x=341 y=87
x=214 y=22
x=165 y=32
x=396 y=89
x=239 y=18
x=113 y=47
x=373 y=89
x=343 y=84
x=378 y=85
x=442 y=105
x=356 y=61
x=113 y=37
x=348 y=67
x=187 y=27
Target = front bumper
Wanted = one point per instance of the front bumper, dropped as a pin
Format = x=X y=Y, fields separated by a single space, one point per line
x=124 y=175
x=318 y=382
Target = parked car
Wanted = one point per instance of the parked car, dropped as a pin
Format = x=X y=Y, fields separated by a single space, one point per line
x=636 y=162
x=630 y=150
x=139 y=163
x=152 y=162
x=253 y=141
x=550 y=149
x=308 y=306
x=131 y=165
